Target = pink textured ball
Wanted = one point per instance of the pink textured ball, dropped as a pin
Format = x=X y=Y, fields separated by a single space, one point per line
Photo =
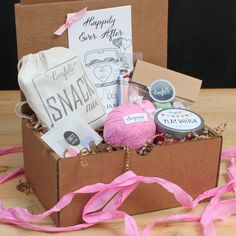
x=129 y=125
x=148 y=106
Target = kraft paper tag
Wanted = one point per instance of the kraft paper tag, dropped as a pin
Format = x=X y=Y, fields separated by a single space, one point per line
x=186 y=87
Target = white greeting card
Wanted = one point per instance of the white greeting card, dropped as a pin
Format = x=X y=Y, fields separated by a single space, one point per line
x=103 y=42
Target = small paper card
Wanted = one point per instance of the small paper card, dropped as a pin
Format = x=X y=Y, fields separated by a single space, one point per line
x=71 y=132
x=135 y=118
x=103 y=42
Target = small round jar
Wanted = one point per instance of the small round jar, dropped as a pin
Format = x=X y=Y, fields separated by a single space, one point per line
x=178 y=122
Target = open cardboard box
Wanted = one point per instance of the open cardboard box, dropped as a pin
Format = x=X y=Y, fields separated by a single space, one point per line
x=193 y=165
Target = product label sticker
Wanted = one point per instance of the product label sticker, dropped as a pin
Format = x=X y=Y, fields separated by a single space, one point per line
x=72 y=131
x=71 y=138
x=103 y=42
x=135 y=118
x=162 y=91
x=179 y=119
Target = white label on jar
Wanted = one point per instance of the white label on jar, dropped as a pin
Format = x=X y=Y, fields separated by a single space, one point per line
x=135 y=118
x=179 y=119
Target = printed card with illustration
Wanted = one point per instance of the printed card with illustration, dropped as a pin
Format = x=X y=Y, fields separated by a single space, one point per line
x=103 y=41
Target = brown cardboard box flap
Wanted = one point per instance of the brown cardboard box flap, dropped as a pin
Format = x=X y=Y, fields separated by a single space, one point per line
x=41 y=1
x=186 y=87
x=35 y=25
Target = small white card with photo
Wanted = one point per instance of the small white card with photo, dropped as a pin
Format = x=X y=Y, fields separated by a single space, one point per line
x=72 y=131
x=103 y=41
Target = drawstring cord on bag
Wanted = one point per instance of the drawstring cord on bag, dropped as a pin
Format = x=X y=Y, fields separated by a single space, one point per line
x=18 y=110
x=102 y=207
x=19 y=105
x=20 y=62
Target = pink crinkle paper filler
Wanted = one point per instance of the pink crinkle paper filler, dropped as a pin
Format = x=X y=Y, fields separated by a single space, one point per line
x=133 y=134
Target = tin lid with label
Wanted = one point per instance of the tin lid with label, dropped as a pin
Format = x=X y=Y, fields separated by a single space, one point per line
x=178 y=122
x=162 y=91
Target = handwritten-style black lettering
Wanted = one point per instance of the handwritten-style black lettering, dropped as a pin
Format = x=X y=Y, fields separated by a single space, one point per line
x=111 y=33
x=87 y=37
x=91 y=21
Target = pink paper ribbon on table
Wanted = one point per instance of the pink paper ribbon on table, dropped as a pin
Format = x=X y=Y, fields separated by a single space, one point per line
x=109 y=197
x=9 y=150
x=70 y=21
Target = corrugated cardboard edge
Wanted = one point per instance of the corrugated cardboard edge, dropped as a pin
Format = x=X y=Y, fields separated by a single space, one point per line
x=186 y=86
x=41 y=1
x=220 y=151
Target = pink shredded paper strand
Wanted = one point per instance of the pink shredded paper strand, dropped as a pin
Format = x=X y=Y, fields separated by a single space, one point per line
x=109 y=197
x=13 y=149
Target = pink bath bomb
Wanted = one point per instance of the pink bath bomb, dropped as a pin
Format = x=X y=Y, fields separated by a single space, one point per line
x=148 y=106
x=129 y=125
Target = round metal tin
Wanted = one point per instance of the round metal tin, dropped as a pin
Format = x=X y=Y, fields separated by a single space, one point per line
x=178 y=122
x=162 y=91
